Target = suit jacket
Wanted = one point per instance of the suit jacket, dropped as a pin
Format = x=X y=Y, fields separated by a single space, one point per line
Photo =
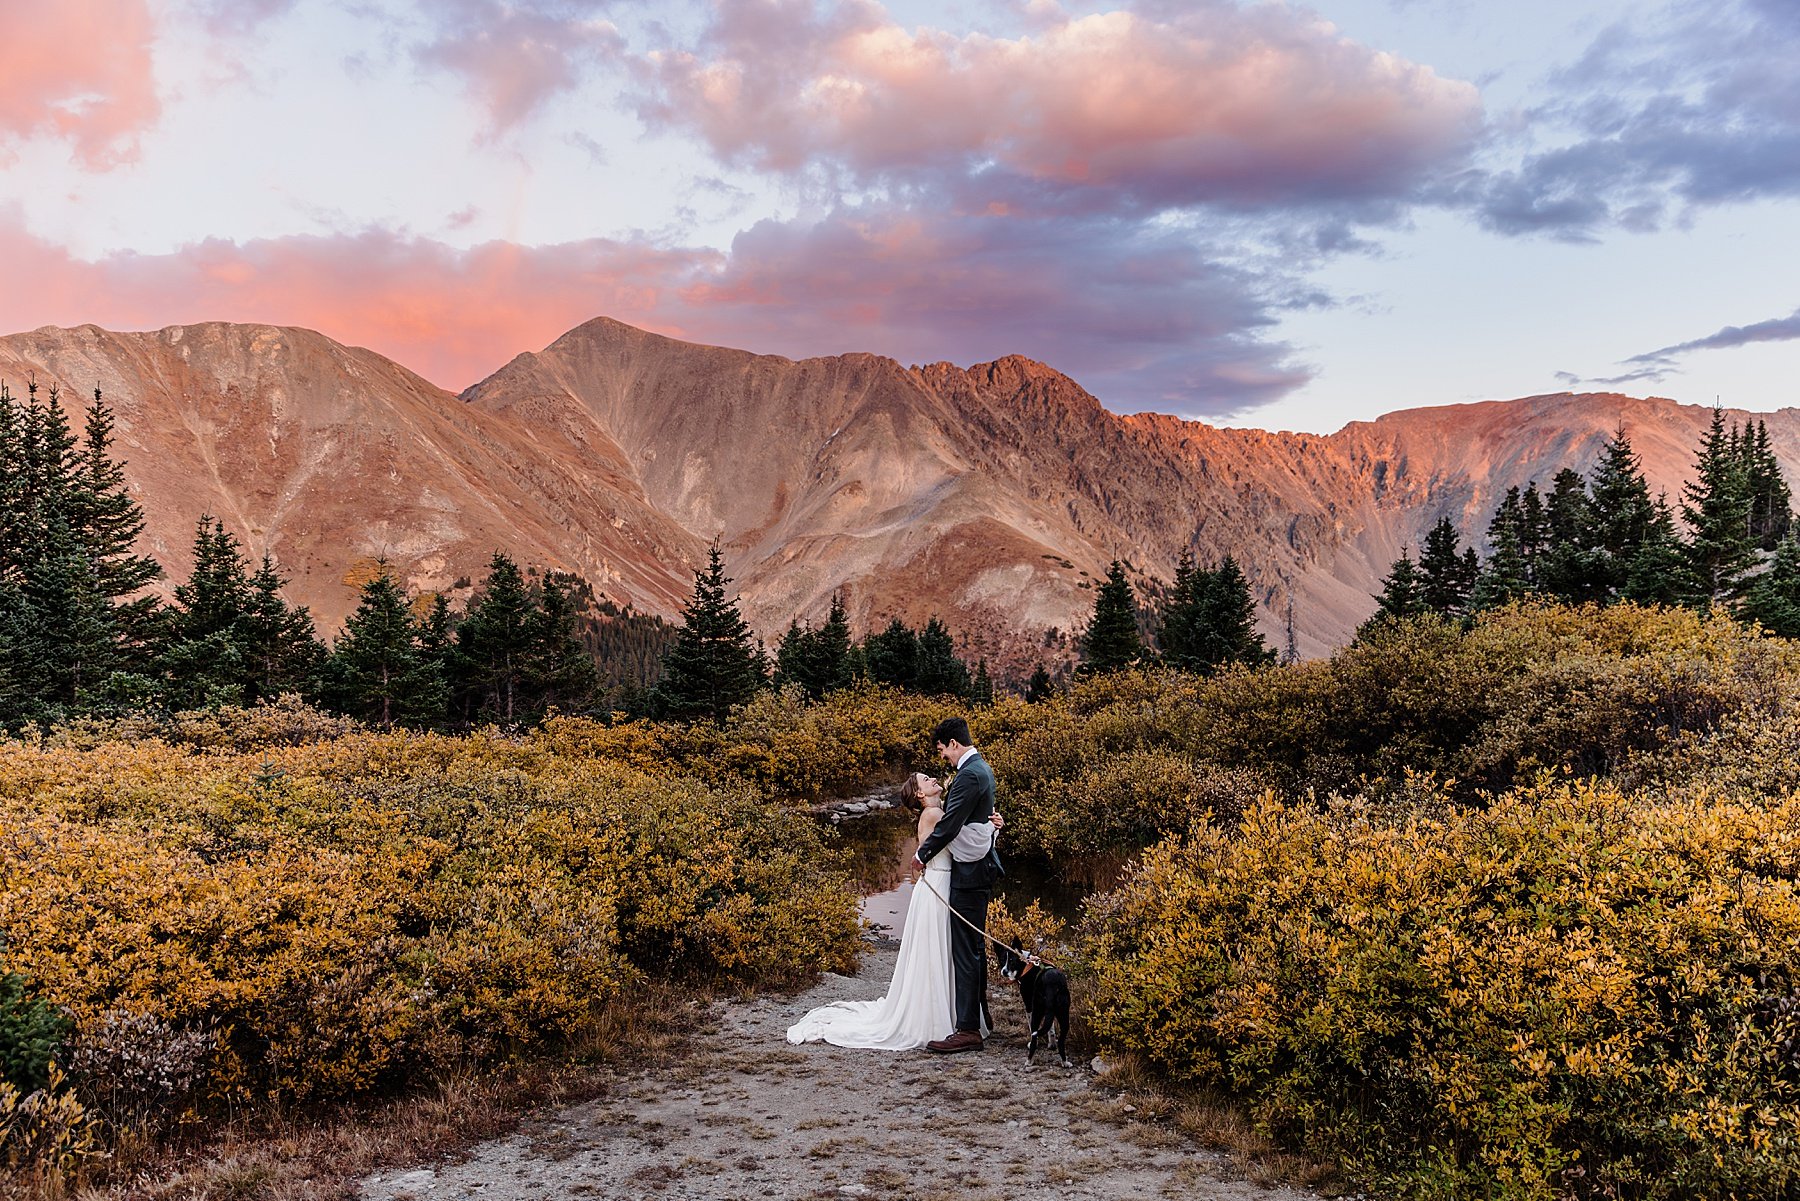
x=970 y=798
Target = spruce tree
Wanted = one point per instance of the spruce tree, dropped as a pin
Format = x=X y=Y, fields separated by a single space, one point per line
x=1620 y=512
x=1112 y=641
x=1446 y=575
x=1570 y=567
x=1771 y=512
x=495 y=645
x=892 y=656
x=1402 y=597
x=376 y=659
x=203 y=659
x=1228 y=633
x=71 y=642
x=1184 y=615
x=282 y=652
x=981 y=688
x=1774 y=599
x=1040 y=687
x=713 y=664
x=1506 y=576
x=1660 y=572
x=1716 y=506
x=107 y=521
x=941 y=672
x=562 y=673
x=429 y=704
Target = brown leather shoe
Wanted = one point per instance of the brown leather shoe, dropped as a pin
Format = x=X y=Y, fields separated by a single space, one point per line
x=962 y=1040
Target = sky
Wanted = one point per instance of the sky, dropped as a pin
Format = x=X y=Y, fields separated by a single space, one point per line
x=1275 y=215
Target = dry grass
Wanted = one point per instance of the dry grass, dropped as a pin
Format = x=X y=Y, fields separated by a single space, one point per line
x=321 y=1157
x=1158 y=1114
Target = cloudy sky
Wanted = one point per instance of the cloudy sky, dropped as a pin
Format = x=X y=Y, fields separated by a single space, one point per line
x=1263 y=214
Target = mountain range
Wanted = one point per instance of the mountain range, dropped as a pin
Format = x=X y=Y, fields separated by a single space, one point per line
x=994 y=495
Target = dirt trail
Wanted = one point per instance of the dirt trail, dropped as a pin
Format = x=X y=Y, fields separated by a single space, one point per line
x=747 y=1116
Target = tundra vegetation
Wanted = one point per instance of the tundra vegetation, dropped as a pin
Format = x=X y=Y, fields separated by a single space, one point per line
x=1498 y=901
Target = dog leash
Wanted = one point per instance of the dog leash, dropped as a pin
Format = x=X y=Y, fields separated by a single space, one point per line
x=1028 y=957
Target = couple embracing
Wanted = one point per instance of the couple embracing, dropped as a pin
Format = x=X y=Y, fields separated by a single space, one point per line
x=937 y=997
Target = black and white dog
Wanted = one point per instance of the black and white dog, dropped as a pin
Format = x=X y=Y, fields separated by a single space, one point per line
x=1045 y=991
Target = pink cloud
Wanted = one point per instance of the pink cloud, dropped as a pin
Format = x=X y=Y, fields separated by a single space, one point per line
x=451 y=315
x=513 y=58
x=1213 y=105
x=1142 y=320
x=79 y=70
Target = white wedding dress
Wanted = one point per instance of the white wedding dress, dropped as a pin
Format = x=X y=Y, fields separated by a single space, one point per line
x=920 y=1004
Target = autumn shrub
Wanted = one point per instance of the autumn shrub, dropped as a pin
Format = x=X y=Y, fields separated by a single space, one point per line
x=1571 y=992
x=362 y=913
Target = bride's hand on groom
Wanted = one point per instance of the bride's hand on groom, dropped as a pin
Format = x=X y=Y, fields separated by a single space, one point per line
x=999 y=822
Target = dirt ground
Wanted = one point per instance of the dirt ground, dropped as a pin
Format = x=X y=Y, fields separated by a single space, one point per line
x=747 y=1116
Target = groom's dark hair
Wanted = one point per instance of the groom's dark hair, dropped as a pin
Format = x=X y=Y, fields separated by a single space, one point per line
x=952 y=729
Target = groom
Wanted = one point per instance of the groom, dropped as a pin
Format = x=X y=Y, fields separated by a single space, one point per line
x=967 y=830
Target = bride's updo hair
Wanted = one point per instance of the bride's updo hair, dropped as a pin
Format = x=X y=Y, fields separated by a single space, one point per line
x=911 y=794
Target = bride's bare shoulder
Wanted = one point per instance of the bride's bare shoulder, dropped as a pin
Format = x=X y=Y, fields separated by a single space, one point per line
x=928 y=820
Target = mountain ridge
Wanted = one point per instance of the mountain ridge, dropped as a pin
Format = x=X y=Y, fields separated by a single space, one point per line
x=993 y=494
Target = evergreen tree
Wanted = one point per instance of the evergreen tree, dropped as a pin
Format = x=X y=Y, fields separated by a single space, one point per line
x=1506 y=576
x=429 y=702
x=561 y=672
x=981 y=688
x=376 y=659
x=1619 y=512
x=1570 y=567
x=203 y=658
x=1534 y=529
x=941 y=672
x=107 y=522
x=495 y=647
x=1228 y=633
x=1660 y=572
x=892 y=656
x=282 y=652
x=1112 y=641
x=1771 y=512
x=1774 y=599
x=713 y=663
x=818 y=661
x=1446 y=575
x=70 y=648
x=1716 y=506
x=1184 y=614
x=1290 y=648
x=1039 y=688
x=1402 y=597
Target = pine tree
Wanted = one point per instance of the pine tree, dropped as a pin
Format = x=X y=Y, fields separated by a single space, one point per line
x=1446 y=575
x=892 y=656
x=1290 y=648
x=495 y=644
x=203 y=660
x=1570 y=567
x=1112 y=641
x=429 y=701
x=981 y=688
x=1619 y=512
x=1039 y=688
x=1228 y=633
x=1534 y=529
x=1402 y=597
x=1507 y=574
x=1716 y=506
x=376 y=659
x=106 y=521
x=713 y=663
x=941 y=672
x=1184 y=615
x=282 y=652
x=1659 y=573
x=71 y=642
x=561 y=672
x=1774 y=599
x=1771 y=512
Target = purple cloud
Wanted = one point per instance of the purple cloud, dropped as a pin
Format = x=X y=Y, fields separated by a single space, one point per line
x=512 y=57
x=1699 y=113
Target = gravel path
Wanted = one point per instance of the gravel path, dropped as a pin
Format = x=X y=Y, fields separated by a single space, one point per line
x=746 y=1116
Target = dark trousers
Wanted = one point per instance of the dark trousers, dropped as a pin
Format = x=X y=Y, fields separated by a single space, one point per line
x=968 y=955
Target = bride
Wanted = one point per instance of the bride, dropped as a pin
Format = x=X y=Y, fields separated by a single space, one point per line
x=920 y=1004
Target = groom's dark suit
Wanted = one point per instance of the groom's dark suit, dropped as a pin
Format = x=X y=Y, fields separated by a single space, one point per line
x=969 y=799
